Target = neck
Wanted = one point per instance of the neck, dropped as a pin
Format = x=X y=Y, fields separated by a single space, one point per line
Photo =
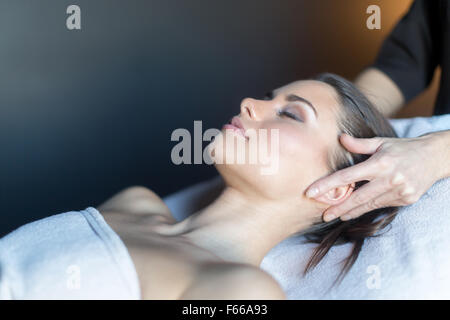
x=241 y=229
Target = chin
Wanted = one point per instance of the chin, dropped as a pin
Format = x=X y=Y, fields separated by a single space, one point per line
x=229 y=149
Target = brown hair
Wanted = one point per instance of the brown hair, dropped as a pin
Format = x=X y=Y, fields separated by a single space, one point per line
x=358 y=118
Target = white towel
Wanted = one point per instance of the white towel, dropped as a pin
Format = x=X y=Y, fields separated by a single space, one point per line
x=411 y=260
x=72 y=255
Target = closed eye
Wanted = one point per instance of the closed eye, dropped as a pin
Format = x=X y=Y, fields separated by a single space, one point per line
x=289 y=115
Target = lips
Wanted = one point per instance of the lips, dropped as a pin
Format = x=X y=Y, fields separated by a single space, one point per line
x=235 y=121
x=236 y=125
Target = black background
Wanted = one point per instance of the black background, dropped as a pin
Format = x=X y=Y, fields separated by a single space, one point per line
x=85 y=113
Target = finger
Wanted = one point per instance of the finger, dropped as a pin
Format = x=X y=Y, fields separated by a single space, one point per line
x=361 y=145
x=367 y=194
x=387 y=199
x=365 y=170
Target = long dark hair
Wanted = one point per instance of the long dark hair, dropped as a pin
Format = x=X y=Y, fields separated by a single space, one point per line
x=358 y=118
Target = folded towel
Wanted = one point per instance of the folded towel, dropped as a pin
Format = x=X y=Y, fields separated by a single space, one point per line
x=72 y=255
x=410 y=260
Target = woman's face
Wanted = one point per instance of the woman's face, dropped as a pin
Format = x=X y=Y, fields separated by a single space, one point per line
x=303 y=113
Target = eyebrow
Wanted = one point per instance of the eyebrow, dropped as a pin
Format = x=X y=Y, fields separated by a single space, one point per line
x=293 y=97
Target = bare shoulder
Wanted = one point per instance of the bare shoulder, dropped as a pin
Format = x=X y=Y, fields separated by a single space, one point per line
x=233 y=281
x=137 y=200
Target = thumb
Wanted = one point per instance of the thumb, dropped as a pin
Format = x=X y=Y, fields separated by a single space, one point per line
x=360 y=145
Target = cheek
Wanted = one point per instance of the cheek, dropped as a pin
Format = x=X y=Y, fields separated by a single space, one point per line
x=302 y=154
x=300 y=146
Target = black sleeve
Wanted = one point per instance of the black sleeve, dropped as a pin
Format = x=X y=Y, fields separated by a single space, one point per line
x=409 y=54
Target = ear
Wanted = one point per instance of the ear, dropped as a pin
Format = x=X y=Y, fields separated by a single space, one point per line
x=337 y=195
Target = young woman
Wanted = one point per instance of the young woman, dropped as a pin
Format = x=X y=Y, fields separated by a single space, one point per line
x=215 y=253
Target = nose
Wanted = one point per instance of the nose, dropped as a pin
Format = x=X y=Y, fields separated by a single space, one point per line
x=251 y=109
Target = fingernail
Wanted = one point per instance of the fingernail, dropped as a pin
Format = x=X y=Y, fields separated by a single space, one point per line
x=346 y=217
x=329 y=217
x=312 y=192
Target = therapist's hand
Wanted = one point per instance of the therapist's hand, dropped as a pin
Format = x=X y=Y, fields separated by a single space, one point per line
x=399 y=171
